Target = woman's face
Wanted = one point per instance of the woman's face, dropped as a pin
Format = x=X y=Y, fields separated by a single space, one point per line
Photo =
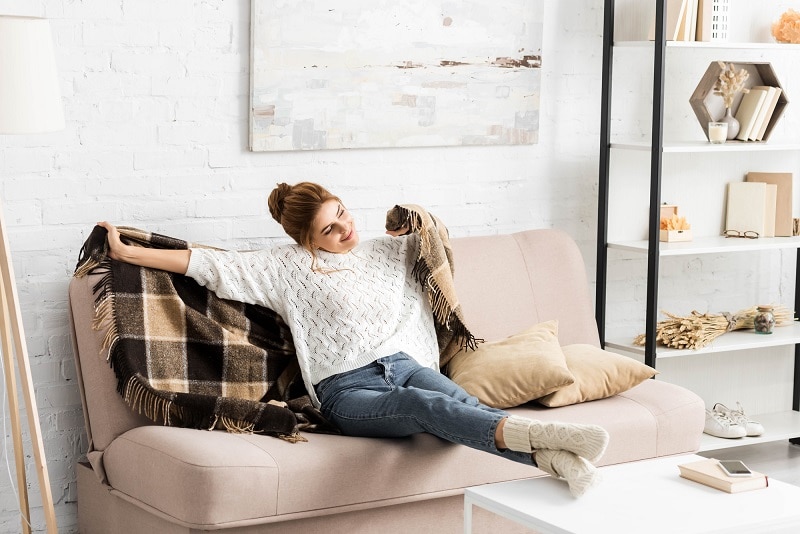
x=333 y=228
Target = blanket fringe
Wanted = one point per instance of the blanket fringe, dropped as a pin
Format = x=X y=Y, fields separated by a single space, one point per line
x=235 y=426
x=295 y=437
x=146 y=403
x=85 y=268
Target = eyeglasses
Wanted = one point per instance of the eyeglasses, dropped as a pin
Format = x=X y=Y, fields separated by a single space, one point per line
x=749 y=234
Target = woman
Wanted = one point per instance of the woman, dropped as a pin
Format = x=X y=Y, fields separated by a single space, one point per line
x=364 y=334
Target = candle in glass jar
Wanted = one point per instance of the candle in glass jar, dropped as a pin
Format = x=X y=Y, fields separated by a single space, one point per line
x=717 y=132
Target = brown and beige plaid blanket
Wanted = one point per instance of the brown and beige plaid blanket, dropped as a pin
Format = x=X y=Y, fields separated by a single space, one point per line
x=184 y=357
x=434 y=269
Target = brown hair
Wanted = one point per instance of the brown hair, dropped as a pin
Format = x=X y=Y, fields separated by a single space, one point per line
x=295 y=207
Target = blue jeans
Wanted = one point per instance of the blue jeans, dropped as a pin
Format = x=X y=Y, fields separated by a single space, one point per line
x=395 y=396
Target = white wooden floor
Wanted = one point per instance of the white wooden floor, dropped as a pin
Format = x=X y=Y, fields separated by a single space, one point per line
x=778 y=459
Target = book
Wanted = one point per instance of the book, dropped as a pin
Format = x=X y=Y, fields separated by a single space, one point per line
x=783 y=204
x=762 y=115
x=712 y=20
x=709 y=472
x=675 y=20
x=746 y=207
x=748 y=110
x=685 y=22
x=769 y=105
x=770 y=204
x=691 y=19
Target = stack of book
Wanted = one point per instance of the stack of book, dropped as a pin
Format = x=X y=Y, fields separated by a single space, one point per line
x=696 y=20
x=761 y=204
x=755 y=112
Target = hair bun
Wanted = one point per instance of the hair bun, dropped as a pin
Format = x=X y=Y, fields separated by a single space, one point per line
x=277 y=199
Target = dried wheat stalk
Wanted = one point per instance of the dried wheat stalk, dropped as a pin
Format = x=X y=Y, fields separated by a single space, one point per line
x=699 y=329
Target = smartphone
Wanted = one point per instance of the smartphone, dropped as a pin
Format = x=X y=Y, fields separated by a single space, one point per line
x=735 y=468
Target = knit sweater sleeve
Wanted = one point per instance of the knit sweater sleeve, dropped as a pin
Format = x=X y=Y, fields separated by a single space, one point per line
x=242 y=276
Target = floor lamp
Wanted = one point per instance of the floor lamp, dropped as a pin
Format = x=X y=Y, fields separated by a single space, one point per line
x=30 y=102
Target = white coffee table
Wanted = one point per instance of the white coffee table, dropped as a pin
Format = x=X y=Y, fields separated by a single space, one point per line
x=640 y=497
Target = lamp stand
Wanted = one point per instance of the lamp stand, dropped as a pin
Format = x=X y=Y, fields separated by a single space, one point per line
x=13 y=344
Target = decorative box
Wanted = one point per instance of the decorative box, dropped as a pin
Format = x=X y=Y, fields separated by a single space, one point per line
x=667 y=212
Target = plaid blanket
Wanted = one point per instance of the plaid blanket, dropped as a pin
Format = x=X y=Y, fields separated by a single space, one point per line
x=434 y=268
x=184 y=357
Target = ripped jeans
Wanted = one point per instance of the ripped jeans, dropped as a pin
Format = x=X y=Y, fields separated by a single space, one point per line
x=395 y=396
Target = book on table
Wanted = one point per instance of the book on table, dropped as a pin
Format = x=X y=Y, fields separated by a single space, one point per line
x=709 y=473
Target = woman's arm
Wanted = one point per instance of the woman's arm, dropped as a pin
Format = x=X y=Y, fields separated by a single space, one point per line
x=176 y=261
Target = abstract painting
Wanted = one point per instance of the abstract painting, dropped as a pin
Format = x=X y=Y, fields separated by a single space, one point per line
x=380 y=74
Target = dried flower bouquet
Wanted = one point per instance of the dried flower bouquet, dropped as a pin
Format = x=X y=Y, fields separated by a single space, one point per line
x=730 y=82
x=787 y=28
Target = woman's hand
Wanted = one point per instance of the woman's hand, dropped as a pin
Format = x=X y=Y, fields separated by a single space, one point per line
x=115 y=245
x=175 y=261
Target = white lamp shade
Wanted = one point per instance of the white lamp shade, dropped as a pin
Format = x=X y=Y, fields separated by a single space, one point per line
x=30 y=99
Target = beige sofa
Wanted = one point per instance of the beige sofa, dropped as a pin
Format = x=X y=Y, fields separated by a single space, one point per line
x=146 y=478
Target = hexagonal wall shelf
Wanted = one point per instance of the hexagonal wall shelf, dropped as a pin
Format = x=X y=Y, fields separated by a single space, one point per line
x=708 y=107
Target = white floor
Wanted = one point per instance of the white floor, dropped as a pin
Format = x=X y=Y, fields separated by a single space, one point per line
x=778 y=459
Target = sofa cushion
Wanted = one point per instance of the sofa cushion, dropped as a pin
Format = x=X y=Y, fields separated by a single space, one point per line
x=204 y=479
x=598 y=374
x=514 y=370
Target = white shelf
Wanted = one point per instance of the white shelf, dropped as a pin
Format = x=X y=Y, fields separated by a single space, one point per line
x=701 y=45
x=782 y=425
x=710 y=245
x=777 y=427
x=685 y=147
x=727 y=342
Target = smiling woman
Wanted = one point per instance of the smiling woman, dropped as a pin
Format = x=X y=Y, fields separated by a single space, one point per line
x=365 y=332
x=334 y=228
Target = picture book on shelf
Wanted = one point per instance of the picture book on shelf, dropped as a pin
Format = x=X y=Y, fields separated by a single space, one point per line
x=748 y=110
x=762 y=117
x=773 y=95
x=709 y=473
x=746 y=207
x=675 y=21
x=784 y=224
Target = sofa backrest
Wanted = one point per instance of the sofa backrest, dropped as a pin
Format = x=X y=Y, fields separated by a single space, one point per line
x=505 y=283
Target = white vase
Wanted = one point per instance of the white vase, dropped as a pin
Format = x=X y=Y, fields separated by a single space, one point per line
x=733 y=124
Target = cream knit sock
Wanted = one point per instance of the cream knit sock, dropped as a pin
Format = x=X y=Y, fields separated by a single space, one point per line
x=579 y=474
x=525 y=435
x=516 y=434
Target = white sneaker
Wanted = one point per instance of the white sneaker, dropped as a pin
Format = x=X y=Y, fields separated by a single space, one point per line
x=720 y=425
x=752 y=428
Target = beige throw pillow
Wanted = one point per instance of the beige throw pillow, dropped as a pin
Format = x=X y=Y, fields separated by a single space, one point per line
x=514 y=370
x=598 y=374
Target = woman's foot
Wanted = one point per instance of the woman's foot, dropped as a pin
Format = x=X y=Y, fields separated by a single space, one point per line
x=579 y=474
x=526 y=435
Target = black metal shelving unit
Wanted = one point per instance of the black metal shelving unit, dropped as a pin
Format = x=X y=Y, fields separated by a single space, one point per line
x=656 y=157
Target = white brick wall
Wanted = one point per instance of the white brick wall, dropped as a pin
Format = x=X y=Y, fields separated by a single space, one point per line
x=156 y=97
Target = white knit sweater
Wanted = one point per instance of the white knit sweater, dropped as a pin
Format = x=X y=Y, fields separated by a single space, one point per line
x=369 y=307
